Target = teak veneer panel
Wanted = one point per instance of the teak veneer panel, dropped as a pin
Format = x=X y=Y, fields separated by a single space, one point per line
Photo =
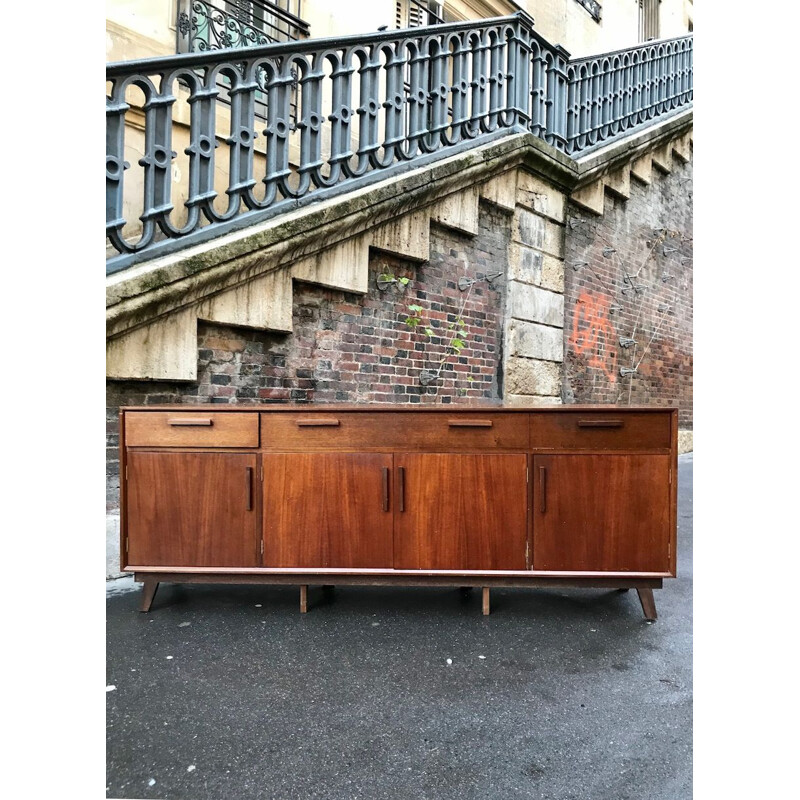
x=190 y=429
x=321 y=429
x=606 y=430
x=460 y=511
x=192 y=509
x=601 y=512
x=327 y=510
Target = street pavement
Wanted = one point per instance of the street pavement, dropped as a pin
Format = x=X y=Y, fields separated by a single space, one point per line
x=402 y=693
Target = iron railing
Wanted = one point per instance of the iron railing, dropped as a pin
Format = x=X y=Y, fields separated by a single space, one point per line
x=368 y=106
x=220 y=25
x=614 y=92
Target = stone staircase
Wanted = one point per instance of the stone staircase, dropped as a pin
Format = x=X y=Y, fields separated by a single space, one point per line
x=246 y=279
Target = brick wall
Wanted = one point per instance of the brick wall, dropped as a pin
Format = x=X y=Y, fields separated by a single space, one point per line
x=601 y=307
x=353 y=348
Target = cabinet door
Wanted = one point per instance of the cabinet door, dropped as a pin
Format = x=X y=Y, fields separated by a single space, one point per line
x=192 y=510
x=327 y=510
x=460 y=511
x=601 y=513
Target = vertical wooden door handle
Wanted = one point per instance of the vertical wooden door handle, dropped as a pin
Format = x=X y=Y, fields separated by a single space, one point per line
x=386 y=488
x=248 y=471
x=543 y=489
x=401 y=471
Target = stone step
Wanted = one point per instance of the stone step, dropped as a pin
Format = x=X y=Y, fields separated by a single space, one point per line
x=617 y=182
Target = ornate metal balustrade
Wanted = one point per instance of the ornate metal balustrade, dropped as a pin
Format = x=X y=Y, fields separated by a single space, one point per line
x=368 y=106
x=611 y=93
x=204 y=26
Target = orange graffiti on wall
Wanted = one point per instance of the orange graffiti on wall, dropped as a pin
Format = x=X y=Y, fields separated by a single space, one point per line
x=593 y=335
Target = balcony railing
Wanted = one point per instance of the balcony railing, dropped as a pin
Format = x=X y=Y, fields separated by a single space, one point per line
x=204 y=26
x=368 y=106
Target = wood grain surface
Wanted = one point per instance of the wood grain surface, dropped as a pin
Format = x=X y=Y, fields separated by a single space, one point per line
x=349 y=430
x=461 y=511
x=595 y=430
x=601 y=512
x=327 y=510
x=191 y=429
x=191 y=509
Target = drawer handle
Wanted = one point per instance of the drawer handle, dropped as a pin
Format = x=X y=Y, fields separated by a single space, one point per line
x=401 y=500
x=248 y=474
x=600 y=423
x=543 y=489
x=196 y=422
x=386 y=488
x=318 y=423
x=470 y=423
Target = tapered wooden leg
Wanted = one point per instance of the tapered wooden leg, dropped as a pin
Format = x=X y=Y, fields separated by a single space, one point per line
x=303 y=599
x=486 y=601
x=149 y=588
x=648 y=604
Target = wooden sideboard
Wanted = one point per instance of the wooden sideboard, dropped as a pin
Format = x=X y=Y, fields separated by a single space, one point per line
x=438 y=496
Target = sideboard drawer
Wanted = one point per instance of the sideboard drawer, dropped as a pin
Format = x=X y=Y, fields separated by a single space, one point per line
x=461 y=430
x=397 y=430
x=595 y=430
x=190 y=429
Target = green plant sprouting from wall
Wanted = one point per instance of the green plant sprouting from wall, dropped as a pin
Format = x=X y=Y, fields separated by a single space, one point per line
x=455 y=337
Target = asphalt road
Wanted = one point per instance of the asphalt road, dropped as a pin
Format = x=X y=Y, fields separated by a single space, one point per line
x=228 y=692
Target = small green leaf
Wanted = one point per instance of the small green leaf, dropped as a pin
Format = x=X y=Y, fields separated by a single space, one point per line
x=412 y=321
x=470 y=379
x=429 y=331
x=387 y=277
x=404 y=281
x=457 y=344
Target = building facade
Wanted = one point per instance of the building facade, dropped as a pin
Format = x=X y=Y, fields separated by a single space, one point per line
x=147 y=28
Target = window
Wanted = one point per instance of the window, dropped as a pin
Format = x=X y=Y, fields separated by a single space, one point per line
x=418 y=13
x=649 y=27
x=593 y=7
x=263 y=20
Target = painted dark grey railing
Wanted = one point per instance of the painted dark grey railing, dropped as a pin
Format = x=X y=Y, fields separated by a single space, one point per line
x=611 y=93
x=368 y=106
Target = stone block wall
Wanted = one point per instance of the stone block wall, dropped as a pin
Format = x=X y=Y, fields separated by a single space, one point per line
x=354 y=348
x=535 y=310
x=628 y=276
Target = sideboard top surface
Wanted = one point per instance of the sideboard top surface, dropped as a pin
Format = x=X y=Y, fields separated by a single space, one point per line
x=372 y=408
